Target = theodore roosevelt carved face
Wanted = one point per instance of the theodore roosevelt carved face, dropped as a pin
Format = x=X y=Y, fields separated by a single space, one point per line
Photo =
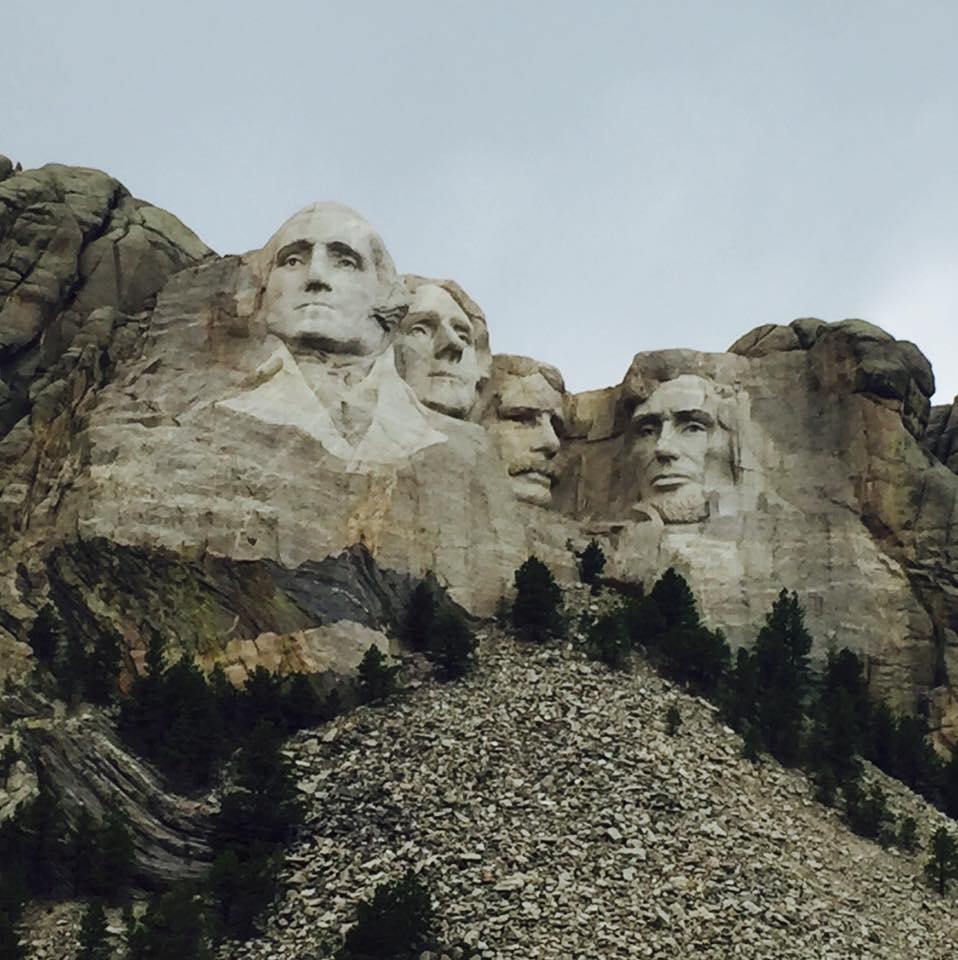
x=442 y=348
x=676 y=434
x=523 y=413
x=328 y=275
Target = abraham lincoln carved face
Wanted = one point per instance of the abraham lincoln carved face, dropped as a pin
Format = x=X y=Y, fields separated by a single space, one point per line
x=677 y=440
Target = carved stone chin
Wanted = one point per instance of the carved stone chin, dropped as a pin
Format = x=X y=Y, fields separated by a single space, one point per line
x=686 y=504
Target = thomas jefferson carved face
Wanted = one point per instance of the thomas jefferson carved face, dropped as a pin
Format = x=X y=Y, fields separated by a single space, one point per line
x=524 y=421
x=328 y=270
x=673 y=433
x=437 y=353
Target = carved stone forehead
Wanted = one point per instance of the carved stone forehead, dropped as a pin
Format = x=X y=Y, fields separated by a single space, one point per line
x=431 y=298
x=532 y=392
x=687 y=392
x=326 y=222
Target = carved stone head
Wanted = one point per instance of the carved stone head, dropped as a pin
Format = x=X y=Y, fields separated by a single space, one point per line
x=523 y=410
x=327 y=283
x=442 y=347
x=680 y=444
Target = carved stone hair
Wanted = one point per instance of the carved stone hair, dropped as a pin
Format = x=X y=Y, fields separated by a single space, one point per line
x=469 y=307
x=506 y=366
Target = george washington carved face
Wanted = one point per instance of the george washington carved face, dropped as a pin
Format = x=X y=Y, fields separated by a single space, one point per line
x=328 y=272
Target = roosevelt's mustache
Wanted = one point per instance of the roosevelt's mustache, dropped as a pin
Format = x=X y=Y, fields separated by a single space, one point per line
x=544 y=465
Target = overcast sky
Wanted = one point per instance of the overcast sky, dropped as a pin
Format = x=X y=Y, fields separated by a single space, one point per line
x=603 y=178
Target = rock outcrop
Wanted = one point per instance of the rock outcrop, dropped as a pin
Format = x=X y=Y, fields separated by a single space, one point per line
x=941 y=435
x=261 y=454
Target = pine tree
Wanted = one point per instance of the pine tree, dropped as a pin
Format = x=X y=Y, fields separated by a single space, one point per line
x=645 y=622
x=191 y=739
x=741 y=696
x=675 y=600
x=591 y=564
x=263 y=803
x=70 y=666
x=173 y=928
x=9 y=938
x=13 y=894
x=241 y=889
x=949 y=786
x=100 y=666
x=782 y=675
x=841 y=717
x=942 y=865
x=452 y=647
x=103 y=855
x=608 y=640
x=673 y=720
x=8 y=758
x=416 y=629
x=45 y=635
x=398 y=923
x=94 y=940
x=908 y=835
x=880 y=738
x=537 y=608
x=261 y=699
x=302 y=706
x=377 y=679
x=695 y=655
x=867 y=812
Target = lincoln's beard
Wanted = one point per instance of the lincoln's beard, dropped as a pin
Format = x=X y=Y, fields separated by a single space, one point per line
x=686 y=504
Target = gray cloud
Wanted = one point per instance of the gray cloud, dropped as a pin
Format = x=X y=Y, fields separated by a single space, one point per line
x=602 y=180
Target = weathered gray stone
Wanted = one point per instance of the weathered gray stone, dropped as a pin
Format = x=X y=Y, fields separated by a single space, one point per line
x=254 y=423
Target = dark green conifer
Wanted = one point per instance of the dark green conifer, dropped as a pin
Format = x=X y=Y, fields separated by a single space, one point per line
x=420 y=616
x=46 y=634
x=377 y=679
x=302 y=706
x=608 y=640
x=591 y=564
x=675 y=600
x=782 y=677
x=673 y=720
x=173 y=928
x=942 y=866
x=94 y=940
x=452 y=647
x=399 y=923
x=537 y=608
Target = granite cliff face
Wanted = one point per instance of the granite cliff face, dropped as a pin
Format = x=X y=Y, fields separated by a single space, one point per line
x=263 y=453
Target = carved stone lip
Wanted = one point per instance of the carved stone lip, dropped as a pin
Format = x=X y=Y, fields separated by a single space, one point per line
x=313 y=303
x=446 y=375
x=667 y=481
x=542 y=477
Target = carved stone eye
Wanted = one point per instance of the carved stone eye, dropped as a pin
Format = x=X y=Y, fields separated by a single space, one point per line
x=293 y=260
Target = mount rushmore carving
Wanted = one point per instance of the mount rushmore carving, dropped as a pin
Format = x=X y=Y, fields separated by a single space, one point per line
x=255 y=417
